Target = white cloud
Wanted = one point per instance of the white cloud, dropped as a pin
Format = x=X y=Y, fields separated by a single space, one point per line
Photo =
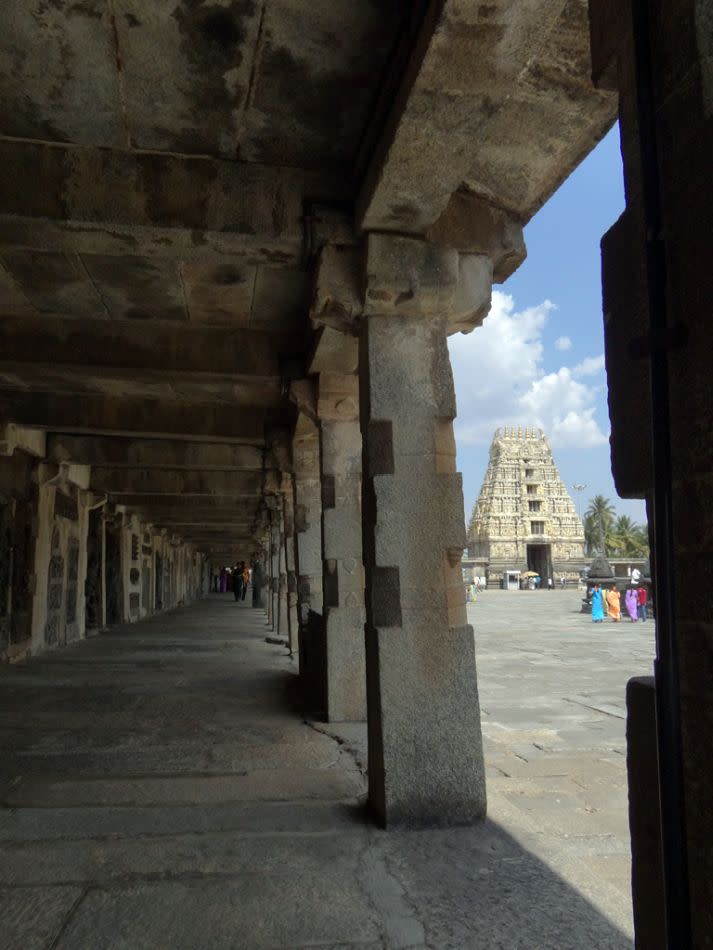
x=500 y=381
x=563 y=343
x=590 y=366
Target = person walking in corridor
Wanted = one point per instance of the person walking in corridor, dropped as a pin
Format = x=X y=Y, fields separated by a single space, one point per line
x=245 y=570
x=238 y=582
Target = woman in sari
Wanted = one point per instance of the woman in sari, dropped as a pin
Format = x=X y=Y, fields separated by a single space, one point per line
x=632 y=603
x=614 y=604
x=597 y=605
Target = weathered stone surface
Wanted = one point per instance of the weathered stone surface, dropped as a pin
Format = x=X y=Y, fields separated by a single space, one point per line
x=139 y=481
x=497 y=97
x=133 y=416
x=154 y=453
x=343 y=577
x=420 y=651
x=473 y=226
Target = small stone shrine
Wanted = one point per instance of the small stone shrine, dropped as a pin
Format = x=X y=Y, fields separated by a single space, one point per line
x=524 y=518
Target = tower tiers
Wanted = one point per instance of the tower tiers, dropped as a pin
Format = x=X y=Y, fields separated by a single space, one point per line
x=524 y=518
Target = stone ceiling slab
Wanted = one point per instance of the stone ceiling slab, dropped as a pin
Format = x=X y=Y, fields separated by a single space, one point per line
x=219 y=294
x=186 y=71
x=12 y=297
x=54 y=283
x=58 y=73
x=318 y=70
x=137 y=287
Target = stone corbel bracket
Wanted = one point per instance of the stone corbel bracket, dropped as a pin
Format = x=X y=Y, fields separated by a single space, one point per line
x=404 y=276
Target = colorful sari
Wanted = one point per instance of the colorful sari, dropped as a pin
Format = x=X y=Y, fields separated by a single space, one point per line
x=632 y=603
x=597 y=606
x=614 y=605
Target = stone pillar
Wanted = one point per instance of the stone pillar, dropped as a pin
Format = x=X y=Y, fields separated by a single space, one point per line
x=283 y=622
x=260 y=580
x=275 y=531
x=288 y=496
x=308 y=516
x=343 y=572
x=425 y=746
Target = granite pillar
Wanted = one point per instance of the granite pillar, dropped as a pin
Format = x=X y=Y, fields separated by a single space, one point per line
x=425 y=746
x=343 y=572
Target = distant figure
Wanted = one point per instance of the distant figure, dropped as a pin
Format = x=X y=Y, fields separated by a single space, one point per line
x=246 y=579
x=538 y=581
x=631 y=600
x=550 y=584
x=223 y=580
x=614 y=604
x=563 y=581
x=597 y=604
x=238 y=581
x=642 y=603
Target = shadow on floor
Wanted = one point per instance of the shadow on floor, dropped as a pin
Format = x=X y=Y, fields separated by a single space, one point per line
x=158 y=791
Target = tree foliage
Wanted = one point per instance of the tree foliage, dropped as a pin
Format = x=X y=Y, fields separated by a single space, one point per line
x=611 y=534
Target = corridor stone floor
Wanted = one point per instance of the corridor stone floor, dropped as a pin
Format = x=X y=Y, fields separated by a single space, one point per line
x=160 y=790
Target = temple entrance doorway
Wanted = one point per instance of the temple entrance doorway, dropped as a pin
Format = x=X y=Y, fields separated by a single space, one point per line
x=539 y=560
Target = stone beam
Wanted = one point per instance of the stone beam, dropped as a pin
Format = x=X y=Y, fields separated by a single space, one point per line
x=154 y=453
x=151 y=418
x=157 y=346
x=217 y=504
x=139 y=481
x=105 y=201
x=498 y=98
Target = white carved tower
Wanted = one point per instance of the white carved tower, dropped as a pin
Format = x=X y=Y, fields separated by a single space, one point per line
x=524 y=518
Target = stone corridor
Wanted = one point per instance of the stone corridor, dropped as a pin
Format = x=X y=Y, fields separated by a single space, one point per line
x=160 y=789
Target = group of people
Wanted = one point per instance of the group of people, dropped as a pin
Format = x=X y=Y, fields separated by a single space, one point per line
x=609 y=602
x=236 y=579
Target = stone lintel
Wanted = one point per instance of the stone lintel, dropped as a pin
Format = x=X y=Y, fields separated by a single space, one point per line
x=149 y=418
x=146 y=189
x=152 y=453
x=176 y=482
x=157 y=346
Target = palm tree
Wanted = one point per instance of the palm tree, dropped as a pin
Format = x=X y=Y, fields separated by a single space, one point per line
x=629 y=539
x=602 y=512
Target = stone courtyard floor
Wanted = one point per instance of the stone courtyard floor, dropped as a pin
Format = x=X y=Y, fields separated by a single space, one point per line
x=159 y=790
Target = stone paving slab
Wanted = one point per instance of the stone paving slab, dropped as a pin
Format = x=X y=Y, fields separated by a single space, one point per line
x=244 y=869
x=252 y=912
x=30 y=918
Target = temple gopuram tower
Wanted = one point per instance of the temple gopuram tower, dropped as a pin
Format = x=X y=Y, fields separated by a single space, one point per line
x=524 y=518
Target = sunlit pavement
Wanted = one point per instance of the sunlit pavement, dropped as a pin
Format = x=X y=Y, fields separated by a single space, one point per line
x=552 y=693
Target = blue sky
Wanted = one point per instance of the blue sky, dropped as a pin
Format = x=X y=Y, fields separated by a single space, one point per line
x=538 y=358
